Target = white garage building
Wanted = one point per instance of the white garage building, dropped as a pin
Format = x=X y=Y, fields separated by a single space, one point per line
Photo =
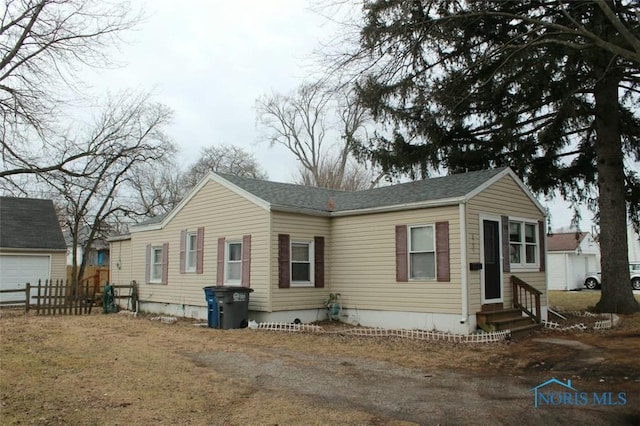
x=570 y=255
x=32 y=246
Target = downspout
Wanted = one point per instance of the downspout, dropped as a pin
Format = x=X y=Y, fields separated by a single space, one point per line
x=464 y=276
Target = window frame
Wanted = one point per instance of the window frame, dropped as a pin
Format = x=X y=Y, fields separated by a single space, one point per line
x=152 y=264
x=191 y=255
x=411 y=252
x=523 y=244
x=228 y=262
x=311 y=262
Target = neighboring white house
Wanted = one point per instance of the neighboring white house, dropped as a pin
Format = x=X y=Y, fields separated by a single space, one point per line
x=633 y=239
x=570 y=255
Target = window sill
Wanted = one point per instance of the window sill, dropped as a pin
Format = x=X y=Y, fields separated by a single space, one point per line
x=520 y=268
x=156 y=283
x=300 y=284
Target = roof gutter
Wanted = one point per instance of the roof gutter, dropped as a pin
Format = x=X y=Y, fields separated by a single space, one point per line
x=33 y=250
x=299 y=210
x=115 y=238
x=407 y=206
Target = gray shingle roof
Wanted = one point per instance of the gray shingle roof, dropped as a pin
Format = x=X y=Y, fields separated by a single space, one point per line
x=315 y=199
x=28 y=223
x=286 y=194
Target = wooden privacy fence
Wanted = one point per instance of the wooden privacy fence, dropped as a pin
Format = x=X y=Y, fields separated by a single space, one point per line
x=21 y=301
x=60 y=297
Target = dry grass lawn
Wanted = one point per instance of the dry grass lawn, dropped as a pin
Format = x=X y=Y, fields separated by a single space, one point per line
x=116 y=369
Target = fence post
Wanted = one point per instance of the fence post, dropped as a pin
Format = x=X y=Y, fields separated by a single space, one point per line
x=38 y=301
x=27 y=292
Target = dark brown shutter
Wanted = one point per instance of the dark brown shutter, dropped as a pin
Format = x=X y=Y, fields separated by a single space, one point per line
x=200 y=250
x=442 y=251
x=284 y=271
x=183 y=247
x=246 y=261
x=165 y=263
x=506 y=259
x=318 y=260
x=401 y=254
x=220 y=257
x=147 y=262
x=543 y=238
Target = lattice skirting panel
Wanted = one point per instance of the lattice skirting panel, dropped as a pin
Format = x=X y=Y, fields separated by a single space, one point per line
x=497 y=336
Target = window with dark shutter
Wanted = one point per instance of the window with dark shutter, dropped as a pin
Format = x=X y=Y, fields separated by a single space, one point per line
x=246 y=261
x=442 y=251
x=183 y=247
x=284 y=271
x=165 y=263
x=401 y=254
x=318 y=243
x=542 y=238
x=506 y=260
x=220 y=262
x=200 y=251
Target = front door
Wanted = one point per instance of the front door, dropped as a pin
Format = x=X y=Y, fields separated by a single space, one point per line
x=492 y=278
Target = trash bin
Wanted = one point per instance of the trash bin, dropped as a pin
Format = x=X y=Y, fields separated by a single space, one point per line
x=232 y=306
x=212 y=307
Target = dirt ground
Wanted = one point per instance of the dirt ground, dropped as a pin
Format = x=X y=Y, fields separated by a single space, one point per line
x=116 y=369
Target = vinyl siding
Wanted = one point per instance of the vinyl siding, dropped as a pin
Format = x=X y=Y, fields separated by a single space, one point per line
x=120 y=251
x=58 y=266
x=363 y=269
x=303 y=228
x=223 y=214
x=503 y=198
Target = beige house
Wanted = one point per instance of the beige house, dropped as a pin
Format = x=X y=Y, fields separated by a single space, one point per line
x=427 y=254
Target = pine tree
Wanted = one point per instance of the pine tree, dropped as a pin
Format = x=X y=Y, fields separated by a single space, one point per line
x=549 y=88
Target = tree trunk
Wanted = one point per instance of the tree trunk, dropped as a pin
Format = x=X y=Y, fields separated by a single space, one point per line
x=617 y=295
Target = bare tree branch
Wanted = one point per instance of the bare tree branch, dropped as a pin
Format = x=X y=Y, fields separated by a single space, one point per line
x=302 y=122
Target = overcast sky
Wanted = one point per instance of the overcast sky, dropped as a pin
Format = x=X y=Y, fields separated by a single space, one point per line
x=210 y=60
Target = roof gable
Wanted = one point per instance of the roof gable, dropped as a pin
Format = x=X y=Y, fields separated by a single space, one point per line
x=28 y=223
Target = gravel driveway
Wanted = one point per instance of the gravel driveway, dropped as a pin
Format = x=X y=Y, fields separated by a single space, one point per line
x=405 y=394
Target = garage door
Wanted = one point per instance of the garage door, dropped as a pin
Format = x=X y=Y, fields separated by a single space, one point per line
x=16 y=271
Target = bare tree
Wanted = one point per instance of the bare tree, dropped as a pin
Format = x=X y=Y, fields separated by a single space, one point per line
x=157 y=187
x=224 y=158
x=320 y=127
x=128 y=135
x=332 y=173
x=43 y=45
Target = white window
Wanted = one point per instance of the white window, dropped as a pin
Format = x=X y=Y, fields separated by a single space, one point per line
x=523 y=243
x=422 y=252
x=155 y=273
x=301 y=263
x=233 y=262
x=191 y=251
